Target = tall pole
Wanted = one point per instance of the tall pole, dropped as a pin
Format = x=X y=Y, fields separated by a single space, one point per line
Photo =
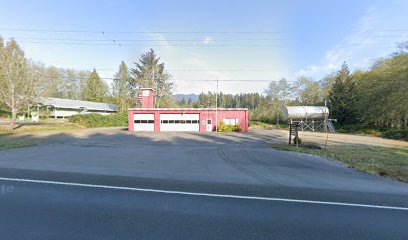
x=216 y=108
x=154 y=99
x=325 y=122
x=325 y=115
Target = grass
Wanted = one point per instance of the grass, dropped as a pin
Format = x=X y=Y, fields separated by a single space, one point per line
x=20 y=144
x=266 y=125
x=398 y=134
x=43 y=127
x=381 y=161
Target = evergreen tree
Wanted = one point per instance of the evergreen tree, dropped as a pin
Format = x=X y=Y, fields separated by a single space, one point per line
x=343 y=97
x=189 y=102
x=96 y=89
x=183 y=102
x=149 y=73
x=120 y=87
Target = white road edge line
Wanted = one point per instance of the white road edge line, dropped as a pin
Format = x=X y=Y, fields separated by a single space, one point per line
x=204 y=194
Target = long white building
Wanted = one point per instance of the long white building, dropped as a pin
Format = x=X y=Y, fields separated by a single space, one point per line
x=61 y=108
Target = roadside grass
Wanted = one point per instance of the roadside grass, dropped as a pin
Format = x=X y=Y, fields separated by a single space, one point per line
x=17 y=144
x=42 y=127
x=266 y=125
x=381 y=161
x=391 y=133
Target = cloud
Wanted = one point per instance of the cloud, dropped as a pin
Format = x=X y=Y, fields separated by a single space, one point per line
x=308 y=70
x=208 y=40
x=352 y=49
x=357 y=41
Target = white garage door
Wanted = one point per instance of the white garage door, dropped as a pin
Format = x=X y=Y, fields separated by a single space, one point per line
x=143 y=122
x=180 y=122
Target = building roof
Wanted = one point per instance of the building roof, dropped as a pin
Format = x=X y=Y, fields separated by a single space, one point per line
x=188 y=109
x=77 y=104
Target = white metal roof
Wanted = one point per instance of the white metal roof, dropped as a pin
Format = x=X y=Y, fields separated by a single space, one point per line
x=77 y=104
x=191 y=109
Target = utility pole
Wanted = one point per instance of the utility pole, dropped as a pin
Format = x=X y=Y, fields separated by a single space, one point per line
x=325 y=122
x=216 y=108
x=325 y=115
x=154 y=99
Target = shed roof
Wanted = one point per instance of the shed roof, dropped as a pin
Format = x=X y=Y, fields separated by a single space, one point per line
x=77 y=104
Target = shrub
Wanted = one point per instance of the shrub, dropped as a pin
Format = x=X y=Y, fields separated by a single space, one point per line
x=4 y=114
x=297 y=140
x=359 y=128
x=97 y=120
x=311 y=145
x=222 y=127
x=401 y=134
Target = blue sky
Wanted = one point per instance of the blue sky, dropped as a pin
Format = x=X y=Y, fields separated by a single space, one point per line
x=235 y=40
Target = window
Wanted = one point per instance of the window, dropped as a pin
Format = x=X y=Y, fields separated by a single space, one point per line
x=145 y=93
x=180 y=121
x=232 y=121
x=143 y=121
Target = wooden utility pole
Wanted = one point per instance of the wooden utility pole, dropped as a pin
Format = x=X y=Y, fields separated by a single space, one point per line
x=216 y=108
x=325 y=122
x=325 y=115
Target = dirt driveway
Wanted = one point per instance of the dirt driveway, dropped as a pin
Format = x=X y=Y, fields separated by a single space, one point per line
x=332 y=138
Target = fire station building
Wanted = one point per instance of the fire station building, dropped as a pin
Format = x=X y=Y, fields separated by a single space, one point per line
x=148 y=118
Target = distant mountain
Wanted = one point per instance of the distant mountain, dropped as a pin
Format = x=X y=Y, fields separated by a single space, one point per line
x=179 y=97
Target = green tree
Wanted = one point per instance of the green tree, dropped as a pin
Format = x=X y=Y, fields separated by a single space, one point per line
x=343 y=97
x=120 y=87
x=278 y=95
x=189 y=102
x=309 y=92
x=383 y=91
x=149 y=73
x=183 y=102
x=96 y=89
x=19 y=79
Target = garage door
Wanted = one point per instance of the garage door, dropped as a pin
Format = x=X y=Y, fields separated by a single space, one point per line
x=180 y=122
x=143 y=122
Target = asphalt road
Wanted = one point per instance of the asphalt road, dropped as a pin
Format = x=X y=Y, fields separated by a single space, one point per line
x=254 y=191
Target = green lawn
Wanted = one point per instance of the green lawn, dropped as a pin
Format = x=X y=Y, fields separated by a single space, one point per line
x=267 y=125
x=43 y=127
x=20 y=144
x=382 y=161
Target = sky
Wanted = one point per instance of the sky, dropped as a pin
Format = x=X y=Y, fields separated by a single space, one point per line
x=244 y=44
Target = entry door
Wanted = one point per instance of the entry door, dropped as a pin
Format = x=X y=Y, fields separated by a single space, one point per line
x=209 y=125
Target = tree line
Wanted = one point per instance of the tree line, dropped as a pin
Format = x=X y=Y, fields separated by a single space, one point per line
x=377 y=96
x=23 y=82
x=268 y=106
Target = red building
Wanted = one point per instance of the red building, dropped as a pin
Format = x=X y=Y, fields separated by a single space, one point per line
x=148 y=118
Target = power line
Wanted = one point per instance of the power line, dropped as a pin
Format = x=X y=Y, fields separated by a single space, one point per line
x=143 y=40
x=187 y=80
x=135 y=32
x=156 y=45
